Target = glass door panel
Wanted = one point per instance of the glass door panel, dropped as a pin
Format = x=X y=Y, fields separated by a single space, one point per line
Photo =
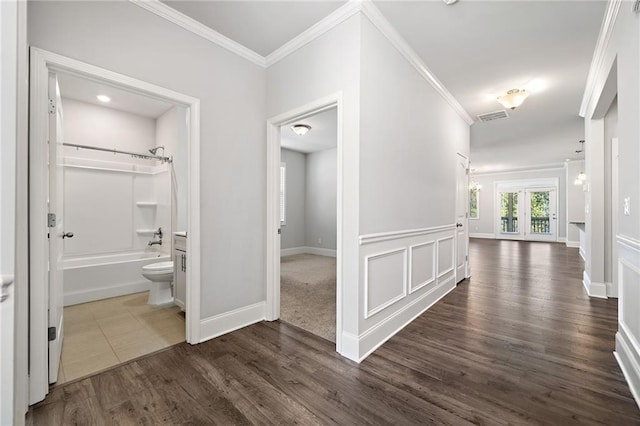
x=509 y=223
x=541 y=214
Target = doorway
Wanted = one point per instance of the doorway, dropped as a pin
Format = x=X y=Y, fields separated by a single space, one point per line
x=331 y=106
x=526 y=212
x=49 y=237
x=308 y=199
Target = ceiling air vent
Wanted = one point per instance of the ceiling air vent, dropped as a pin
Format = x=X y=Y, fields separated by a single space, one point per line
x=495 y=115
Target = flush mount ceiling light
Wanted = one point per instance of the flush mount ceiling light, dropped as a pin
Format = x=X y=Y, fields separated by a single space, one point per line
x=449 y=2
x=300 y=129
x=514 y=98
x=103 y=98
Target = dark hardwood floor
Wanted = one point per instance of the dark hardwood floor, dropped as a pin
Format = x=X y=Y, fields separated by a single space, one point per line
x=518 y=343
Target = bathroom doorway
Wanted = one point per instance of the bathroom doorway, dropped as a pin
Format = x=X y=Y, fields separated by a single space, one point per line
x=113 y=183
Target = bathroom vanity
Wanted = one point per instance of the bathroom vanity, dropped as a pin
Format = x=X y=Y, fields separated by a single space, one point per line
x=180 y=268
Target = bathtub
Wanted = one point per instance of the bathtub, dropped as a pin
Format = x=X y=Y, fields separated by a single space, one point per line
x=99 y=277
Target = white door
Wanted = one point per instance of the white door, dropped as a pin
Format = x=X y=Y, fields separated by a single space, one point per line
x=462 y=214
x=56 y=228
x=510 y=208
x=541 y=214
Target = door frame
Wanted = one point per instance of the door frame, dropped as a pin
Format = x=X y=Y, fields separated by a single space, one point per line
x=41 y=63
x=467 y=272
x=272 y=305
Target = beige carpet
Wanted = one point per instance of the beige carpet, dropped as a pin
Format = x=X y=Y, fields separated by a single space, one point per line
x=308 y=293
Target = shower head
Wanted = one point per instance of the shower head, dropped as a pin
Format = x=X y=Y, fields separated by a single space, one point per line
x=155 y=150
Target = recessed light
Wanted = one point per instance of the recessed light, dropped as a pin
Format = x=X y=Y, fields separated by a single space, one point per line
x=300 y=129
x=103 y=98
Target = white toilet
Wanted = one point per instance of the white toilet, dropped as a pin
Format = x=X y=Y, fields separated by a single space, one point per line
x=160 y=274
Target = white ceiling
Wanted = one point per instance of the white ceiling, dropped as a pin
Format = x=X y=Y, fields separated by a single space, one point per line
x=262 y=26
x=323 y=134
x=85 y=90
x=477 y=49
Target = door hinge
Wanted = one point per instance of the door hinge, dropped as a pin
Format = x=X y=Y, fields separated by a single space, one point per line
x=52 y=334
x=52 y=106
x=51 y=220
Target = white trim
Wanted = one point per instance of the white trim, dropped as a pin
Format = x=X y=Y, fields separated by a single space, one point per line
x=572 y=244
x=629 y=242
x=370 y=312
x=582 y=254
x=227 y=322
x=562 y=240
x=90 y=295
x=381 y=23
x=628 y=363
x=433 y=266
x=41 y=62
x=394 y=235
x=338 y=16
x=453 y=256
x=195 y=27
x=600 y=52
x=308 y=250
x=482 y=235
x=594 y=289
x=376 y=336
x=272 y=267
x=533 y=168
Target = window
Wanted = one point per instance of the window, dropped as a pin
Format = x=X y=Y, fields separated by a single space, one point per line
x=474 y=194
x=283 y=187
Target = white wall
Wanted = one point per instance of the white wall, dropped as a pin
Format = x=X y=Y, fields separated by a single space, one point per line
x=125 y=38
x=171 y=132
x=409 y=140
x=293 y=232
x=485 y=225
x=327 y=65
x=320 y=199
x=617 y=72
x=610 y=132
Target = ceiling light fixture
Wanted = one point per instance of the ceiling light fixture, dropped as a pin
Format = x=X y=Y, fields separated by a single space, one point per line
x=449 y=2
x=513 y=98
x=300 y=129
x=103 y=98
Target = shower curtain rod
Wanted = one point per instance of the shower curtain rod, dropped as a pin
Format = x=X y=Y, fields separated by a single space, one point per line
x=117 y=151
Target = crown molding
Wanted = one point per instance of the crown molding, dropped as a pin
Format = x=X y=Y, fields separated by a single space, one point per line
x=338 y=16
x=385 y=27
x=606 y=30
x=190 y=24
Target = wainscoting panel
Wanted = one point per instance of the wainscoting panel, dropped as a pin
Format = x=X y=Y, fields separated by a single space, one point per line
x=628 y=336
x=422 y=259
x=385 y=280
x=405 y=273
x=445 y=256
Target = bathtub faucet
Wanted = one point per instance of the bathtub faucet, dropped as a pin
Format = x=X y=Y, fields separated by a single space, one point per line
x=153 y=242
x=158 y=234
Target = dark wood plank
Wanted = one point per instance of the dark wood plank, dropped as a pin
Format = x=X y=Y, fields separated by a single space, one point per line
x=518 y=343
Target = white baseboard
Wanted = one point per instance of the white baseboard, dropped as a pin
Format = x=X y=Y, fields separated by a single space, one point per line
x=573 y=244
x=308 y=250
x=628 y=359
x=583 y=255
x=376 y=336
x=227 y=322
x=480 y=235
x=292 y=251
x=105 y=292
x=594 y=289
x=350 y=346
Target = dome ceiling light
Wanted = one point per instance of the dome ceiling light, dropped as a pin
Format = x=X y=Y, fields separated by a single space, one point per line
x=513 y=98
x=300 y=129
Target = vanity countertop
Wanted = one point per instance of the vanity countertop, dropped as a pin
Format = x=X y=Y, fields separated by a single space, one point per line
x=180 y=234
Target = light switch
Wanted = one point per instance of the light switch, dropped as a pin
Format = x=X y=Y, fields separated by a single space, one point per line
x=627 y=206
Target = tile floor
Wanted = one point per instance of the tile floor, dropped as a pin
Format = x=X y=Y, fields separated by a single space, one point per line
x=101 y=334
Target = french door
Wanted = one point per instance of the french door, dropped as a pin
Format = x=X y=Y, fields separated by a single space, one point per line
x=527 y=214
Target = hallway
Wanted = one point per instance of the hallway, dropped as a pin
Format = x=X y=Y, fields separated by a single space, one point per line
x=518 y=343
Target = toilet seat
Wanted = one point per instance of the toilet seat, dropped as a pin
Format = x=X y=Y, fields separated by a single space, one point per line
x=158 y=268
